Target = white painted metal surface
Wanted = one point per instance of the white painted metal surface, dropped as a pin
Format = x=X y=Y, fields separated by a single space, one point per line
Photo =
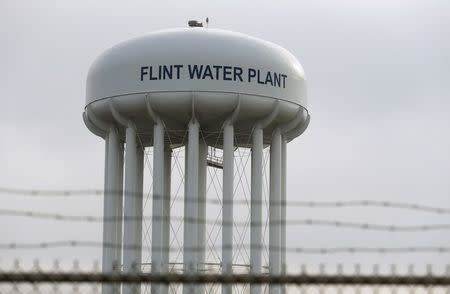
x=256 y=222
x=175 y=70
x=205 y=81
x=263 y=65
x=190 y=255
x=283 y=211
x=166 y=215
x=118 y=203
x=131 y=251
x=275 y=209
x=201 y=206
x=139 y=204
x=112 y=206
x=202 y=154
x=158 y=202
x=227 y=196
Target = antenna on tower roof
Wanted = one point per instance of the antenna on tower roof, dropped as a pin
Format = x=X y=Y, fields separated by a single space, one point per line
x=195 y=23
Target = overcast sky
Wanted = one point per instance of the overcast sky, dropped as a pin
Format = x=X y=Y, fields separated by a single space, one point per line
x=378 y=77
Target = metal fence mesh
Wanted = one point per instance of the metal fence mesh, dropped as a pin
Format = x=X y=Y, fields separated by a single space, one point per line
x=76 y=278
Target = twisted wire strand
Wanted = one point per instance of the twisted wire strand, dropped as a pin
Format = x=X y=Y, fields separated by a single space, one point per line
x=302 y=250
x=198 y=278
x=298 y=222
x=306 y=204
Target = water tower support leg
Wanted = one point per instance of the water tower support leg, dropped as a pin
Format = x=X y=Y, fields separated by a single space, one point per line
x=227 y=211
x=119 y=205
x=131 y=250
x=190 y=205
x=202 y=156
x=256 y=208
x=283 y=210
x=166 y=214
x=275 y=209
x=112 y=206
x=158 y=206
x=139 y=205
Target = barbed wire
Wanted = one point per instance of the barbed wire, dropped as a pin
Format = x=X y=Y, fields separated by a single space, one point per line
x=304 y=250
x=58 y=265
x=306 y=204
x=168 y=278
x=299 y=222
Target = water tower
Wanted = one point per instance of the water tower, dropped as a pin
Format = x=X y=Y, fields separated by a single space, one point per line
x=192 y=88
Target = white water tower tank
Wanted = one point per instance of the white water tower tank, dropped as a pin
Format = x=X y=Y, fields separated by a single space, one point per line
x=222 y=89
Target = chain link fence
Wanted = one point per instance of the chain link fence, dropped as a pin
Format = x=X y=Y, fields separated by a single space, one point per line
x=82 y=279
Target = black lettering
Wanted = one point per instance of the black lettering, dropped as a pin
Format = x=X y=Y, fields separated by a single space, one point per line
x=167 y=72
x=276 y=79
x=269 y=78
x=259 y=76
x=177 y=67
x=195 y=71
x=237 y=72
x=284 y=80
x=251 y=74
x=159 y=72
x=207 y=73
x=217 y=68
x=151 y=74
x=144 y=71
x=227 y=73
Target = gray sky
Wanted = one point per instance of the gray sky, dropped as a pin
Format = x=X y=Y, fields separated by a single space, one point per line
x=378 y=84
